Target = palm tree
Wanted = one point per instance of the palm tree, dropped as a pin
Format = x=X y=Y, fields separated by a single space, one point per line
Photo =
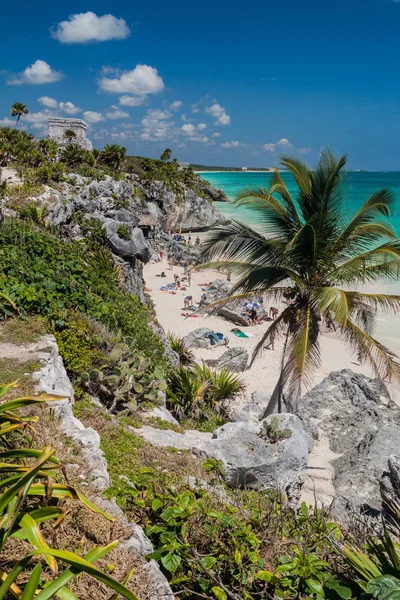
x=69 y=134
x=48 y=147
x=166 y=155
x=310 y=254
x=72 y=155
x=18 y=109
x=113 y=155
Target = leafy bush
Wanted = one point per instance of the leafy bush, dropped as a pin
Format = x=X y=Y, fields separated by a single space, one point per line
x=34 y=212
x=123 y=231
x=199 y=392
x=29 y=497
x=186 y=356
x=126 y=380
x=47 y=276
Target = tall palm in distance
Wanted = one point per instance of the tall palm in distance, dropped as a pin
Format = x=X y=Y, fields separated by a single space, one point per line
x=18 y=109
x=310 y=254
x=112 y=155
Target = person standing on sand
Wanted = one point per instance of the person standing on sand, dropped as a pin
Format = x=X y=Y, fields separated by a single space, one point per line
x=170 y=262
x=271 y=341
x=189 y=276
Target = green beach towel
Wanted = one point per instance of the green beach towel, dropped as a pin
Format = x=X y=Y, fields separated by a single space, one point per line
x=240 y=334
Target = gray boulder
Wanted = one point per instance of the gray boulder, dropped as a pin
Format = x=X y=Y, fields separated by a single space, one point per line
x=234 y=359
x=232 y=311
x=250 y=458
x=196 y=339
x=361 y=425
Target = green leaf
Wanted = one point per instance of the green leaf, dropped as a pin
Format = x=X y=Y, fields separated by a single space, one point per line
x=32 y=583
x=264 y=575
x=171 y=562
x=385 y=587
x=208 y=561
x=315 y=587
x=238 y=557
x=219 y=593
x=156 y=504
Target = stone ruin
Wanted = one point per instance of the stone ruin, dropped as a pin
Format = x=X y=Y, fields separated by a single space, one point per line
x=58 y=127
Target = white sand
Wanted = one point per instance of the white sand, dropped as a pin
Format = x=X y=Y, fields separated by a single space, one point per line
x=265 y=370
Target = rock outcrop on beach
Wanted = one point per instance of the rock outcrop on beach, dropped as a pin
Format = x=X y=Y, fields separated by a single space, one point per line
x=361 y=424
x=198 y=338
x=232 y=311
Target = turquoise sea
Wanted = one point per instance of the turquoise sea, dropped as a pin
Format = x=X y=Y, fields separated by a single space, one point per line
x=357 y=187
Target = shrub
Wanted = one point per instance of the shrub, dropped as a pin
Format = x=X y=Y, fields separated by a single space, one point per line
x=123 y=231
x=27 y=501
x=186 y=356
x=198 y=393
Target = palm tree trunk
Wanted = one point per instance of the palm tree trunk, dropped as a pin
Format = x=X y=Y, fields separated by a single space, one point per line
x=276 y=397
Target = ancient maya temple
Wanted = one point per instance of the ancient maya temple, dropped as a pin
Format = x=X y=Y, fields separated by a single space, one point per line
x=58 y=126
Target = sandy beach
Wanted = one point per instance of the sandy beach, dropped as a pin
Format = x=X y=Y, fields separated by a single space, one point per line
x=264 y=373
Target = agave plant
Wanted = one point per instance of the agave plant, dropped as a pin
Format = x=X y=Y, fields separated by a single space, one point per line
x=186 y=356
x=29 y=473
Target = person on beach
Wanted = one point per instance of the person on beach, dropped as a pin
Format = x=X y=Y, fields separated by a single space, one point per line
x=253 y=318
x=189 y=277
x=187 y=302
x=271 y=341
x=198 y=242
x=170 y=262
x=161 y=256
x=273 y=312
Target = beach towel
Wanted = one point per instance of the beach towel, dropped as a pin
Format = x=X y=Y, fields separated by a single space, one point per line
x=240 y=334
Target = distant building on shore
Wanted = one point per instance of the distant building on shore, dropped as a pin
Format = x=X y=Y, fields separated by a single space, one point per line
x=244 y=169
x=58 y=126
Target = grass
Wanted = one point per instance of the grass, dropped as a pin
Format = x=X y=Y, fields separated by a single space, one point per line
x=22 y=331
x=12 y=370
x=159 y=423
x=126 y=452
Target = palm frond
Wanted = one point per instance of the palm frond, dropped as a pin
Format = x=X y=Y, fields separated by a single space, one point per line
x=276 y=327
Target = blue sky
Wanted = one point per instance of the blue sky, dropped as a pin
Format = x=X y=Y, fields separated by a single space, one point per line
x=219 y=83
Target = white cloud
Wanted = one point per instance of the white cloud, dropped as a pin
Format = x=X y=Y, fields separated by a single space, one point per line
x=176 y=105
x=199 y=139
x=284 y=144
x=195 y=108
x=188 y=129
x=92 y=116
x=131 y=100
x=117 y=114
x=305 y=149
x=232 y=144
x=6 y=122
x=270 y=147
x=279 y=146
x=184 y=118
x=219 y=113
x=48 y=102
x=38 y=117
x=157 y=114
x=36 y=74
x=216 y=134
x=69 y=108
x=201 y=126
x=139 y=81
x=88 y=27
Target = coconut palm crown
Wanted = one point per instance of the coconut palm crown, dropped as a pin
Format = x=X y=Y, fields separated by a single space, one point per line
x=18 y=109
x=310 y=254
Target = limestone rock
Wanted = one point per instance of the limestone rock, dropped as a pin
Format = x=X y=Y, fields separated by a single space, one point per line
x=196 y=339
x=232 y=311
x=234 y=359
x=250 y=459
x=356 y=417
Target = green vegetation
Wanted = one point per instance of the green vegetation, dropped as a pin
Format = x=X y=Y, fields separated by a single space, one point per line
x=123 y=231
x=273 y=434
x=27 y=504
x=186 y=356
x=196 y=392
x=310 y=243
